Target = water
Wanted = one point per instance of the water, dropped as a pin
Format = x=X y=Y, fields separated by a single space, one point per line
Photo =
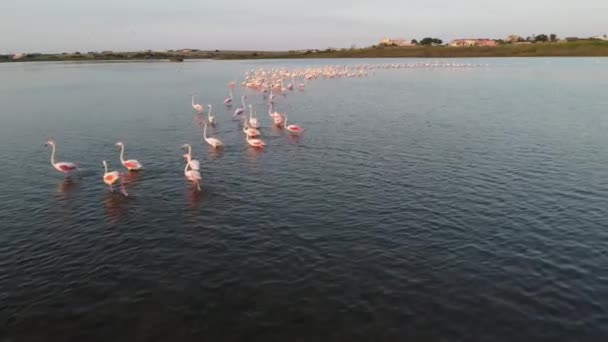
x=424 y=204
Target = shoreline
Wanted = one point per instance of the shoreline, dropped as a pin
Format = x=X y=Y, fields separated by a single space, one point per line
x=583 y=48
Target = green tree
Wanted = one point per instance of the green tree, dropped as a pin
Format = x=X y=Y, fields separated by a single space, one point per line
x=553 y=37
x=541 y=38
x=414 y=41
x=430 y=41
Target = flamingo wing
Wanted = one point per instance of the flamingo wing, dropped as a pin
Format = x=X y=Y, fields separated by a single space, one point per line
x=111 y=177
x=66 y=166
x=132 y=164
x=195 y=164
x=215 y=142
x=193 y=175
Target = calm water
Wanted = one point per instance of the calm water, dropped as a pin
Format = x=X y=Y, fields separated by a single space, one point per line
x=429 y=204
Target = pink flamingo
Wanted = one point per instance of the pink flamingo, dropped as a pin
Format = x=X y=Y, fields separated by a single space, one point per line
x=131 y=164
x=250 y=131
x=276 y=116
x=111 y=177
x=290 y=85
x=292 y=128
x=65 y=167
x=257 y=143
x=228 y=100
x=302 y=86
x=240 y=110
x=253 y=121
x=214 y=142
x=197 y=107
x=210 y=117
x=194 y=164
x=193 y=176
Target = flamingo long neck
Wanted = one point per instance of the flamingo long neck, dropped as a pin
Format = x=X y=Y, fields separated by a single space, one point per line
x=53 y=155
x=122 y=152
x=285 y=123
x=250 y=112
x=105 y=167
x=230 y=93
x=243 y=101
x=187 y=164
x=189 y=150
x=205 y=132
x=209 y=112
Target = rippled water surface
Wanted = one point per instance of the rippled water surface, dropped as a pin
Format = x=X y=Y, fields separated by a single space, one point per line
x=420 y=204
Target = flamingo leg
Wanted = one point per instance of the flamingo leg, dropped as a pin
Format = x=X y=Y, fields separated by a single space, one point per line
x=198 y=185
x=111 y=188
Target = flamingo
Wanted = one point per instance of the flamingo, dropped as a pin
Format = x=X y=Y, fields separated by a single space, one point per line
x=193 y=176
x=210 y=117
x=111 y=177
x=212 y=141
x=257 y=143
x=240 y=110
x=252 y=120
x=65 y=167
x=250 y=131
x=290 y=85
x=228 y=100
x=197 y=107
x=276 y=116
x=292 y=128
x=301 y=86
x=131 y=164
x=194 y=164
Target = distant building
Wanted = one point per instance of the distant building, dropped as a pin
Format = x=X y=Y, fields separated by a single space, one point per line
x=513 y=38
x=472 y=42
x=18 y=55
x=396 y=42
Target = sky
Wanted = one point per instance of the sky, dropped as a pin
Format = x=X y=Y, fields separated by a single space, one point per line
x=129 y=25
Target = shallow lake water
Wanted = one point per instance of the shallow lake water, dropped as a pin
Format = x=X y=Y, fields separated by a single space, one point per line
x=445 y=204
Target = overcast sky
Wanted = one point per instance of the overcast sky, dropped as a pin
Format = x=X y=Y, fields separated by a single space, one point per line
x=84 y=25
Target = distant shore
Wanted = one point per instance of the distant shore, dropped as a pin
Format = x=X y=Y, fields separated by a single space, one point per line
x=582 y=48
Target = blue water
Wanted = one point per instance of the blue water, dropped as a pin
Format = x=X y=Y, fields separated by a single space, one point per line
x=420 y=204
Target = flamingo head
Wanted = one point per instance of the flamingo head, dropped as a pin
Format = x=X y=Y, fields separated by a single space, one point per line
x=185 y=146
x=120 y=144
x=49 y=143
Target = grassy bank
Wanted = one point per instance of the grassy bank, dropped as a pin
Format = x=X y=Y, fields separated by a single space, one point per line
x=571 y=49
x=583 y=48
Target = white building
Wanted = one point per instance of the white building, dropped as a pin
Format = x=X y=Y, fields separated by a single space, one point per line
x=601 y=37
x=396 y=42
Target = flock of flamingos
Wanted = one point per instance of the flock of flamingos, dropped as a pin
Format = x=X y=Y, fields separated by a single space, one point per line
x=269 y=83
